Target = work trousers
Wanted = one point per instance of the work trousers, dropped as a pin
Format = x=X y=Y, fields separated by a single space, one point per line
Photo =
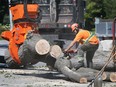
x=90 y=50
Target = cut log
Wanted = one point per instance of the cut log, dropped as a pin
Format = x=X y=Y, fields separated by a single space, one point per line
x=42 y=47
x=99 y=63
x=37 y=44
x=33 y=49
x=26 y=56
x=77 y=62
x=56 y=51
x=111 y=76
x=63 y=65
x=100 y=58
x=51 y=57
x=104 y=76
x=73 y=75
x=89 y=74
x=83 y=80
x=82 y=74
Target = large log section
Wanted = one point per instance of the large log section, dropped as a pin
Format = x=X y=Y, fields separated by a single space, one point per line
x=99 y=59
x=111 y=76
x=63 y=65
x=35 y=49
x=82 y=75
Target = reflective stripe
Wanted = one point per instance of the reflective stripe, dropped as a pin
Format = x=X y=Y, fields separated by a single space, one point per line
x=91 y=35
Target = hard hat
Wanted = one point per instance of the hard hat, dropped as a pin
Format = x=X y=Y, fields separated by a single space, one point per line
x=73 y=26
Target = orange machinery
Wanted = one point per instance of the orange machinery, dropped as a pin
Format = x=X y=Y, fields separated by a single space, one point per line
x=22 y=24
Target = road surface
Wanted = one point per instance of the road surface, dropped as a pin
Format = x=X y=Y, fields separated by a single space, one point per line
x=38 y=76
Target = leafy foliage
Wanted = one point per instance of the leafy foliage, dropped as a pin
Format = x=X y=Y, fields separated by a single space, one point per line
x=110 y=8
x=3 y=9
x=4 y=28
x=99 y=8
x=92 y=9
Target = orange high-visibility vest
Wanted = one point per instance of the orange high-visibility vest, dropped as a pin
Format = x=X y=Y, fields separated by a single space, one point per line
x=85 y=36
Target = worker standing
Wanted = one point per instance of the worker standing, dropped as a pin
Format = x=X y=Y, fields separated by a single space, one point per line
x=89 y=43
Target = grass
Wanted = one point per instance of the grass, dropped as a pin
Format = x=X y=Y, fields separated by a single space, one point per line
x=4 y=28
x=1 y=39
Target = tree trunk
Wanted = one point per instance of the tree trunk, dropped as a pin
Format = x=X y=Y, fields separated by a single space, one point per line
x=35 y=49
x=100 y=58
x=99 y=63
x=89 y=74
x=111 y=76
x=63 y=65
x=56 y=51
x=77 y=62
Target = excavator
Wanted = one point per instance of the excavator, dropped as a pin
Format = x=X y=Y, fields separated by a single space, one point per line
x=25 y=16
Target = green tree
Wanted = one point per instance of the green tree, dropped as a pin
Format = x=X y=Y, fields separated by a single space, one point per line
x=3 y=9
x=94 y=8
x=110 y=8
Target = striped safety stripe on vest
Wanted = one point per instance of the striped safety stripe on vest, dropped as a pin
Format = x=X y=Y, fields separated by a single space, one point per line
x=91 y=35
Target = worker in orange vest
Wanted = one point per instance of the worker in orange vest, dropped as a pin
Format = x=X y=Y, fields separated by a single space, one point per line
x=88 y=43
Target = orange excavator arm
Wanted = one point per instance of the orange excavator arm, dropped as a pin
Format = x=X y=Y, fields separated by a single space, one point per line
x=22 y=25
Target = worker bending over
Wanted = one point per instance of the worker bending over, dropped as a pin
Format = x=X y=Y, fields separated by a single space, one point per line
x=89 y=43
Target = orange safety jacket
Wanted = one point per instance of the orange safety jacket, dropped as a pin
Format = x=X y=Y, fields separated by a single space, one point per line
x=85 y=36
